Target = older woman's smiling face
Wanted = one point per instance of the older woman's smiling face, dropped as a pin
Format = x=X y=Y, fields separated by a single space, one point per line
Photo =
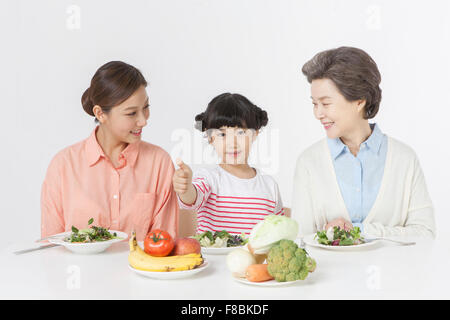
x=337 y=115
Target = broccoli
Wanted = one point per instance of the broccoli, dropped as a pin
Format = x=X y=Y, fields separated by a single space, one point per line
x=287 y=262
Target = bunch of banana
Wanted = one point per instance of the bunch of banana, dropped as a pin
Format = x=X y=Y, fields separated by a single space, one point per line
x=140 y=260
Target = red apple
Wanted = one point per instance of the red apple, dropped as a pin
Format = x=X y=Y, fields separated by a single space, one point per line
x=186 y=246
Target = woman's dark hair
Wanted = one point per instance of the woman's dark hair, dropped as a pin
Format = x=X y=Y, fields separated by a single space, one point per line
x=231 y=110
x=354 y=73
x=112 y=84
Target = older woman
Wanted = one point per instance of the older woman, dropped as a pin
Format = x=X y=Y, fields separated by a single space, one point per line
x=112 y=176
x=357 y=176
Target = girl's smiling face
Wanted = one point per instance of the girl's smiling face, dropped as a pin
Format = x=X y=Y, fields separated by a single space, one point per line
x=337 y=115
x=232 y=144
x=125 y=121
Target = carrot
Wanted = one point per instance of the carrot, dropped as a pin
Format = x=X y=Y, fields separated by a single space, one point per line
x=258 y=273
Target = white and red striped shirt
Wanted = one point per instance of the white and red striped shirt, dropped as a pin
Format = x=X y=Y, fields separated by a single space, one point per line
x=226 y=202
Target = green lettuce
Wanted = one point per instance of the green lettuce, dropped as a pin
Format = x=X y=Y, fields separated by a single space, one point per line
x=271 y=230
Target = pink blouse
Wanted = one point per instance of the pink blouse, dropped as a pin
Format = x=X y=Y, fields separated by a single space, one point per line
x=81 y=183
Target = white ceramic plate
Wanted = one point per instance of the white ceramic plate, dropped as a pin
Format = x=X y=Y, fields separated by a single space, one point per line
x=226 y=250
x=310 y=241
x=171 y=275
x=270 y=283
x=87 y=248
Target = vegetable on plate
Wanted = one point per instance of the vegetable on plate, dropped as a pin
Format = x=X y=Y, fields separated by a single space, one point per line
x=238 y=261
x=220 y=239
x=339 y=237
x=287 y=262
x=88 y=235
x=158 y=243
x=271 y=230
x=258 y=273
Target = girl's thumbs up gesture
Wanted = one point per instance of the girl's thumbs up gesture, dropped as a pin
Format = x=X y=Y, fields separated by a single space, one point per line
x=182 y=183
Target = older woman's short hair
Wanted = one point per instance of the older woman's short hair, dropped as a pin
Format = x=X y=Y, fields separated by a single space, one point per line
x=353 y=71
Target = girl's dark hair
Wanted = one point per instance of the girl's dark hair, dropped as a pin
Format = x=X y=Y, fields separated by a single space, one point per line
x=231 y=110
x=353 y=71
x=112 y=84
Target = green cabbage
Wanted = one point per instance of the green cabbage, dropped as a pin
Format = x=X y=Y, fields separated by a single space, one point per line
x=271 y=230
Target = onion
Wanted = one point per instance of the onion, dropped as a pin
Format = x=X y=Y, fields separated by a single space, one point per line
x=238 y=260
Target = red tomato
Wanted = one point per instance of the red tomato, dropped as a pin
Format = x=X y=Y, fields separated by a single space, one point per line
x=158 y=243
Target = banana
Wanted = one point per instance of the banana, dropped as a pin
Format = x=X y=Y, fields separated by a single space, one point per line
x=140 y=260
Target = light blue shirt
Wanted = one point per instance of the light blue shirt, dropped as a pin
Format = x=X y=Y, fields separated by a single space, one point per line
x=359 y=177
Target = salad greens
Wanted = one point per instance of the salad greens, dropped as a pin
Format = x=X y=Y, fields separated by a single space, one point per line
x=339 y=237
x=220 y=239
x=92 y=234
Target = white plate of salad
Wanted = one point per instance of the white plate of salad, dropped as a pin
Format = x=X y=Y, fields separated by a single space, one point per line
x=338 y=240
x=88 y=241
x=220 y=242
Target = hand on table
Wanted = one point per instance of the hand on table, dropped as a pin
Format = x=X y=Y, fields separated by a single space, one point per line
x=341 y=223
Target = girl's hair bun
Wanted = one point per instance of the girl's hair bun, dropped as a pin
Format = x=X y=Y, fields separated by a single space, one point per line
x=262 y=118
x=231 y=110
x=199 y=121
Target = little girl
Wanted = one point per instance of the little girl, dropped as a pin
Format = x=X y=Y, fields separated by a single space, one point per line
x=232 y=196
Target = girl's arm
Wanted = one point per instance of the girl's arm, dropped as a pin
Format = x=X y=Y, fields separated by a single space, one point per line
x=166 y=210
x=192 y=192
x=279 y=210
x=182 y=184
x=190 y=196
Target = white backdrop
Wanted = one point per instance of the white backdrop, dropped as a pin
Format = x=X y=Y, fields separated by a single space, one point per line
x=191 y=51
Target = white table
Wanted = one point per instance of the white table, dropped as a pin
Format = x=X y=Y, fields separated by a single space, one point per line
x=385 y=272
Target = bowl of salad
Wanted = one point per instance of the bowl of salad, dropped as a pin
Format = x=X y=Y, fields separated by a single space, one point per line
x=93 y=239
x=338 y=239
x=220 y=242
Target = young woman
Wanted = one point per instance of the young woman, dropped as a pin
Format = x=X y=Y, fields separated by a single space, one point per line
x=357 y=176
x=112 y=176
x=232 y=196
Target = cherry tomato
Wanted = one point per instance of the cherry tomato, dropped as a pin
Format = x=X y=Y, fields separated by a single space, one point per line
x=158 y=243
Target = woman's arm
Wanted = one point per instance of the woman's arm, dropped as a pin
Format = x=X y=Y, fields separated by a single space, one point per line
x=302 y=207
x=420 y=217
x=52 y=218
x=420 y=223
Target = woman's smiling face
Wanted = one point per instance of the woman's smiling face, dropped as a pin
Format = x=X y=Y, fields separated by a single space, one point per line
x=126 y=120
x=337 y=115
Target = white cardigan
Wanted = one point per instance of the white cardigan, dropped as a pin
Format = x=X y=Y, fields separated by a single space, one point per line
x=402 y=206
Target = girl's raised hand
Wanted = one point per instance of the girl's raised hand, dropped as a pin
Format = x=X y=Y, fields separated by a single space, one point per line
x=182 y=178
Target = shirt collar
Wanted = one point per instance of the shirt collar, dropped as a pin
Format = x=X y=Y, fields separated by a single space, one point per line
x=375 y=139
x=336 y=147
x=95 y=153
x=373 y=142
